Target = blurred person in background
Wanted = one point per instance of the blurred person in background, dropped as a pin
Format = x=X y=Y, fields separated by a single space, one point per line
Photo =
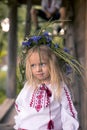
x=50 y=10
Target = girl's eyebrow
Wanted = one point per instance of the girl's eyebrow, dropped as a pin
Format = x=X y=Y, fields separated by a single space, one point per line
x=43 y=63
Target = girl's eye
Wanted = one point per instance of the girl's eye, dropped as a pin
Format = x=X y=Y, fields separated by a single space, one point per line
x=33 y=65
x=42 y=64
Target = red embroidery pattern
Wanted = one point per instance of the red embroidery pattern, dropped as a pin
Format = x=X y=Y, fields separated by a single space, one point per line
x=70 y=102
x=17 y=107
x=40 y=98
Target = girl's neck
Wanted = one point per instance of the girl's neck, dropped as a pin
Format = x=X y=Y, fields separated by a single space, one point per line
x=47 y=81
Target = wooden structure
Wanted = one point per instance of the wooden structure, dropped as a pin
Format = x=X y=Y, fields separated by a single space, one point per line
x=80 y=42
x=80 y=38
x=34 y=2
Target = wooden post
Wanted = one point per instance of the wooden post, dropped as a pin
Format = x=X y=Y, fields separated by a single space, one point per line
x=85 y=91
x=12 y=52
x=80 y=36
x=28 y=19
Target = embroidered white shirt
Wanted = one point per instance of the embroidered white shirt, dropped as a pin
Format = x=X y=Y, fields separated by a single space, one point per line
x=34 y=114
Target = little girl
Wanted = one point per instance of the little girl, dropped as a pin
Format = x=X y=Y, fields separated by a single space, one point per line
x=45 y=102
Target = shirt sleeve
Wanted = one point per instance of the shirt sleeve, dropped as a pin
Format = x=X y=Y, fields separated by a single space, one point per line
x=19 y=107
x=19 y=99
x=68 y=111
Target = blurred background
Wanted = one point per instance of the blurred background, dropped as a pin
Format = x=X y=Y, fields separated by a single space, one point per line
x=15 y=25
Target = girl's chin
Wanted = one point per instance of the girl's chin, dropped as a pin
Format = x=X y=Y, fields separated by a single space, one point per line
x=41 y=78
x=44 y=80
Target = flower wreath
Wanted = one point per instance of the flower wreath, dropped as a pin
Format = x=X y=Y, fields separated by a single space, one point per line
x=67 y=62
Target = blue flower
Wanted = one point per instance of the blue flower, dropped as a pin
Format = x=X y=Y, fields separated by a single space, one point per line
x=68 y=69
x=35 y=38
x=66 y=50
x=56 y=45
x=49 y=44
x=48 y=39
x=27 y=43
x=45 y=34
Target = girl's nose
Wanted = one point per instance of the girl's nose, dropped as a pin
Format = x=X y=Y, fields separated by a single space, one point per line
x=39 y=68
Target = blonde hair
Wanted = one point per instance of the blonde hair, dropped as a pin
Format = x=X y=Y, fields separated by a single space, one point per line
x=54 y=70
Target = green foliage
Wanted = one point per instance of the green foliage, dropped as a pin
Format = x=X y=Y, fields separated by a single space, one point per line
x=3 y=41
x=2 y=96
x=2 y=86
x=3 y=10
x=21 y=23
x=20 y=77
x=2 y=79
x=3 y=53
x=20 y=83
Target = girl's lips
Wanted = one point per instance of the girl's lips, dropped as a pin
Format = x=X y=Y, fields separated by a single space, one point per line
x=40 y=74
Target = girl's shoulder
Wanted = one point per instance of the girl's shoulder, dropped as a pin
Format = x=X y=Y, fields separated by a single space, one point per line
x=64 y=88
x=63 y=85
x=25 y=87
x=24 y=90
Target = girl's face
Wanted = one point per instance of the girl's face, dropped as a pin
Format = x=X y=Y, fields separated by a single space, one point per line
x=39 y=67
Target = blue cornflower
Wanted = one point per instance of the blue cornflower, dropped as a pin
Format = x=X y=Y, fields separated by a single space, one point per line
x=66 y=50
x=56 y=45
x=35 y=38
x=68 y=69
x=48 y=39
x=45 y=34
x=26 y=43
x=49 y=44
